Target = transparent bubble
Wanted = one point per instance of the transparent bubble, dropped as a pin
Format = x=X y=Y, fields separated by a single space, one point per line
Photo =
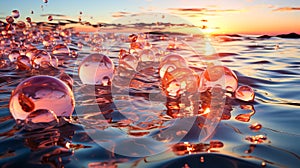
x=45 y=1
x=15 y=14
x=41 y=92
x=67 y=79
x=13 y=55
x=170 y=63
x=28 y=19
x=179 y=81
x=245 y=93
x=147 y=55
x=41 y=59
x=41 y=118
x=128 y=61
x=50 y=18
x=94 y=68
x=218 y=76
x=23 y=63
x=54 y=61
x=9 y=19
x=61 y=49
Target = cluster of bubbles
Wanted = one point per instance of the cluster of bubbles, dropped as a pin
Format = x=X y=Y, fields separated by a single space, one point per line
x=27 y=47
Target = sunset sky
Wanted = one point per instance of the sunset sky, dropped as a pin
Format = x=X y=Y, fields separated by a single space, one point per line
x=220 y=16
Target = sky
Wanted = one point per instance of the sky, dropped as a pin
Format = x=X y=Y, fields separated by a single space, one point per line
x=218 y=16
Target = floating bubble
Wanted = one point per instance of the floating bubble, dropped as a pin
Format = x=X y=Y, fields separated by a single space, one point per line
x=245 y=93
x=41 y=59
x=9 y=19
x=41 y=92
x=67 y=79
x=13 y=56
x=50 y=18
x=147 y=55
x=23 y=63
x=21 y=24
x=32 y=12
x=61 y=50
x=40 y=119
x=218 y=76
x=53 y=61
x=15 y=14
x=28 y=19
x=45 y=1
x=255 y=126
x=170 y=63
x=128 y=61
x=179 y=81
x=95 y=68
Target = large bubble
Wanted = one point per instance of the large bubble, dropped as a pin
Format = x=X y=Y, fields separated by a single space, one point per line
x=96 y=69
x=41 y=92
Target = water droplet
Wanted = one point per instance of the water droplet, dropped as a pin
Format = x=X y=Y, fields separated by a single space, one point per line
x=170 y=63
x=61 y=50
x=50 y=18
x=256 y=139
x=21 y=25
x=128 y=61
x=67 y=79
x=41 y=92
x=23 y=63
x=202 y=159
x=263 y=164
x=255 y=126
x=94 y=68
x=147 y=55
x=41 y=59
x=245 y=93
x=40 y=119
x=218 y=76
x=32 y=12
x=179 y=81
x=9 y=19
x=15 y=14
x=13 y=55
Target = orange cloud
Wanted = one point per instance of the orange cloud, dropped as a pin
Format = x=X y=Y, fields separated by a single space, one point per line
x=120 y=14
x=287 y=9
x=202 y=10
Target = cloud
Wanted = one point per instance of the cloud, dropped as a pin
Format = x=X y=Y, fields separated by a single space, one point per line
x=287 y=9
x=57 y=15
x=202 y=10
x=120 y=14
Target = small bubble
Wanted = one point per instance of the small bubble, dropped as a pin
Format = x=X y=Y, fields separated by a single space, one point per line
x=170 y=63
x=263 y=164
x=218 y=76
x=147 y=55
x=245 y=93
x=255 y=126
x=41 y=59
x=202 y=159
x=21 y=24
x=13 y=55
x=128 y=61
x=179 y=81
x=9 y=19
x=94 y=68
x=23 y=63
x=45 y=1
x=31 y=12
x=50 y=18
x=67 y=79
x=15 y=14
x=61 y=50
